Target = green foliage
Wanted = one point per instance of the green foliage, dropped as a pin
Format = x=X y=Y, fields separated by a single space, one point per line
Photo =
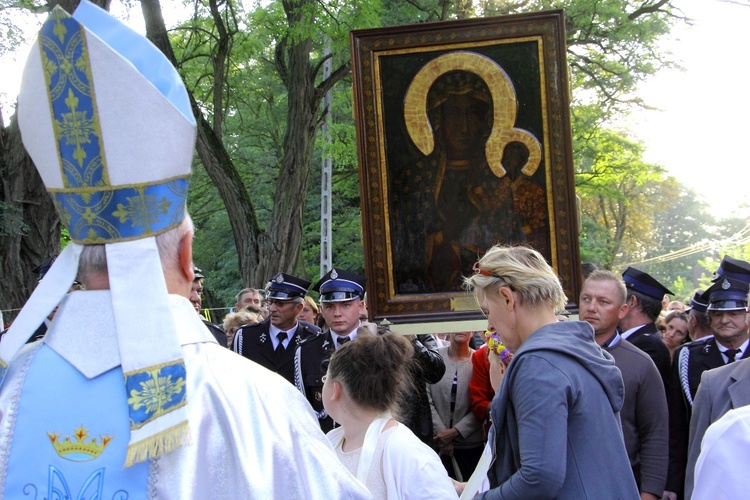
x=214 y=251
x=346 y=228
x=680 y=220
x=615 y=187
x=17 y=21
x=683 y=289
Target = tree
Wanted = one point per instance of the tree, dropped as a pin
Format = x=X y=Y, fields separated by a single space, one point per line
x=256 y=81
x=615 y=187
x=680 y=220
x=297 y=60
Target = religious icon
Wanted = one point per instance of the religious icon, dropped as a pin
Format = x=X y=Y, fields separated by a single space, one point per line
x=454 y=203
x=464 y=143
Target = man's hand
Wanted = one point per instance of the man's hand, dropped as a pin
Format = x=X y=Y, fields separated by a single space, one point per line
x=667 y=495
x=446 y=436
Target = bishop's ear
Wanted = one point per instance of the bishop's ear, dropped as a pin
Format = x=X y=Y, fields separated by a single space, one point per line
x=185 y=256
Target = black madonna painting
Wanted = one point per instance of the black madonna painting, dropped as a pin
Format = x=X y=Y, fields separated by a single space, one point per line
x=463 y=145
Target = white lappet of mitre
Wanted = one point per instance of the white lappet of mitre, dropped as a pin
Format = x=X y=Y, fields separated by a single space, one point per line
x=108 y=123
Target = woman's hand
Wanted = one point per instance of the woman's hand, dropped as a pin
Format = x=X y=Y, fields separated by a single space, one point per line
x=459 y=487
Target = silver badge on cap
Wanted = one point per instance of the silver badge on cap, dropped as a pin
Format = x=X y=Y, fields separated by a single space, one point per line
x=334 y=274
x=725 y=285
x=279 y=279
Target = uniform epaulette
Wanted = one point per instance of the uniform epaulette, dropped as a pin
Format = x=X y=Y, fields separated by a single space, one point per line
x=257 y=323
x=700 y=344
x=311 y=338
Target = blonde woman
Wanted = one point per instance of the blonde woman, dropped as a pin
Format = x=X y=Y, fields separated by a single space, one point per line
x=556 y=429
x=233 y=321
x=676 y=332
x=309 y=312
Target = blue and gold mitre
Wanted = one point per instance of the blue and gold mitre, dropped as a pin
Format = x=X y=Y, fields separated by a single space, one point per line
x=107 y=121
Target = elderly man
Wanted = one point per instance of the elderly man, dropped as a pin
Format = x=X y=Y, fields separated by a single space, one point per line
x=249 y=297
x=644 y=412
x=726 y=317
x=726 y=387
x=127 y=394
x=272 y=342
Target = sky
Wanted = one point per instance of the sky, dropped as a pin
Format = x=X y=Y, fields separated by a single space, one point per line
x=702 y=123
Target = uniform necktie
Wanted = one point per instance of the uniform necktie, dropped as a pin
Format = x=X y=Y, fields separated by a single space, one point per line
x=730 y=354
x=280 y=347
x=343 y=340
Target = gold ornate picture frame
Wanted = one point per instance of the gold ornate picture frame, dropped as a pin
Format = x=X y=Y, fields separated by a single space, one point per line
x=463 y=134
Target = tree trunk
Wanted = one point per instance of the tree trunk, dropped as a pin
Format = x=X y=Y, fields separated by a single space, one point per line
x=38 y=237
x=216 y=161
x=282 y=246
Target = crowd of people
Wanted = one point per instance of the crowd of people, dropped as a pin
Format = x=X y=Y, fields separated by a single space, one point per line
x=634 y=379
x=107 y=393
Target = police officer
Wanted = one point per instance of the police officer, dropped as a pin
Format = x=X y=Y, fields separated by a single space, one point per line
x=272 y=343
x=698 y=326
x=727 y=302
x=341 y=304
x=638 y=325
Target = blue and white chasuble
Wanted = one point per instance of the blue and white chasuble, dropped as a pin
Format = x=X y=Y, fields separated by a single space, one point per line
x=252 y=434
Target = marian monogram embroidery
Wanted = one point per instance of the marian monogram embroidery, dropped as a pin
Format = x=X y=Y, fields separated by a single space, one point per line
x=58 y=489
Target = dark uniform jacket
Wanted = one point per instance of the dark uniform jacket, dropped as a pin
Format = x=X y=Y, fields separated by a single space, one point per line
x=430 y=369
x=254 y=342
x=648 y=340
x=218 y=333
x=311 y=354
x=689 y=363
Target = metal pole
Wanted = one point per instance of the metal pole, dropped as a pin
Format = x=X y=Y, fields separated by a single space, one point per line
x=325 y=178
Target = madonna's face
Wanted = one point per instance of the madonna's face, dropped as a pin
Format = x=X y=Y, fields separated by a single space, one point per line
x=463 y=129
